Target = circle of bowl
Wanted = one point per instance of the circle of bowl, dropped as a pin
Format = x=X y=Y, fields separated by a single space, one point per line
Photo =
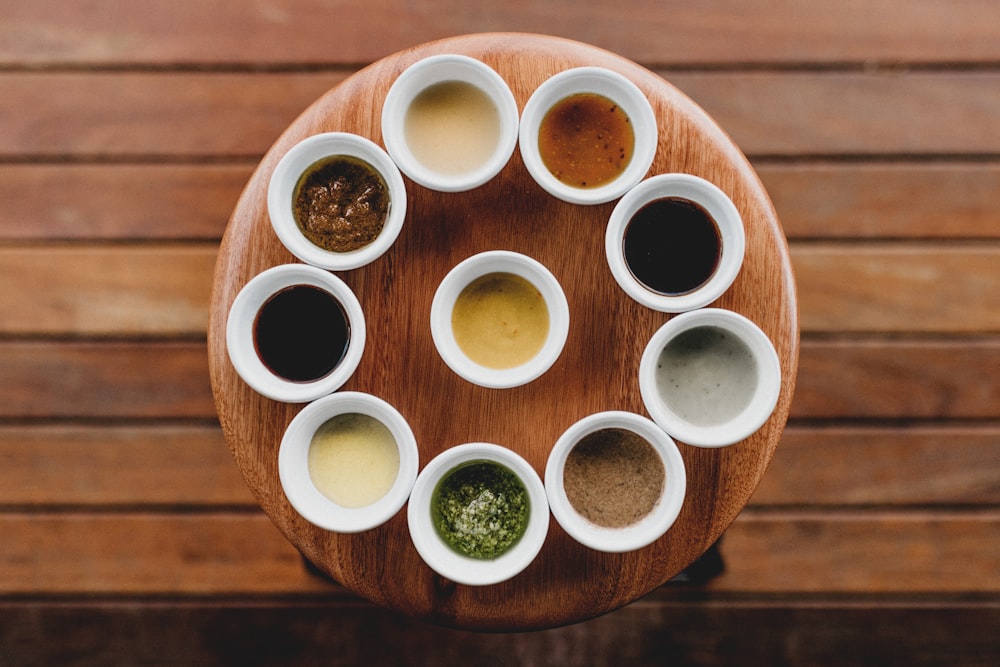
x=742 y=425
x=646 y=530
x=240 y=335
x=442 y=558
x=293 y=463
x=718 y=205
x=606 y=83
x=284 y=181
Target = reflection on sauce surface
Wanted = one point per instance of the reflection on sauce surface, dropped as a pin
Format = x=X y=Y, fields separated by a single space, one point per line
x=586 y=140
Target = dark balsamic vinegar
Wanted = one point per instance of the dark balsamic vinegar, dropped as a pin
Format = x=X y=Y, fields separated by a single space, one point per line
x=301 y=333
x=672 y=246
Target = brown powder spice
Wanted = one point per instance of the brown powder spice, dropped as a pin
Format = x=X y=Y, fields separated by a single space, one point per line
x=613 y=477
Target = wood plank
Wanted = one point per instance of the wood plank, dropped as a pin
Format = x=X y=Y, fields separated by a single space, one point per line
x=95 y=380
x=157 y=465
x=927 y=465
x=864 y=378
x=164 y=290
x=862 y=554
x=709 y=633
x=870 y=378
x=921 y=200
x=815 y=200
x=152 y=115
x=232 y=114
x=297 y=32
x=187 y=466
x=794 y=114
x=191 y=465
x=898 y=287
x=92 y=290
x=136 y=554
x=162 y=202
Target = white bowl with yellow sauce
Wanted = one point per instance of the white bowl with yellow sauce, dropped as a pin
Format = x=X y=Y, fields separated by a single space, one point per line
x=347 y=462
x=450 y=122
x=499 y=319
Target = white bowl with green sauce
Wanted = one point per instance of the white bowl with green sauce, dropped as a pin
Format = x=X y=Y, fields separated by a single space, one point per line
x=710 y=377
x=478 y=514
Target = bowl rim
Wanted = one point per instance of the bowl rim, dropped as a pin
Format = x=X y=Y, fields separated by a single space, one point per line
x=243 y=313
x=443 y=559
x=742 y=425
x=281 y=192
x=610 y=84
x=648 y=529
x=718 y=205
x=476 y=266
x=442 y=68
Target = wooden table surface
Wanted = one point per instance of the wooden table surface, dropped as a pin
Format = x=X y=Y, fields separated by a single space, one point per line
x=127 y=132
x=597 y=370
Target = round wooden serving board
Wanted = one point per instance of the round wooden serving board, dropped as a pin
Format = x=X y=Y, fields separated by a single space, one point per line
x=597 y=370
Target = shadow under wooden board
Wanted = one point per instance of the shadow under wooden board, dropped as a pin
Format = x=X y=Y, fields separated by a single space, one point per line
x=597 y=370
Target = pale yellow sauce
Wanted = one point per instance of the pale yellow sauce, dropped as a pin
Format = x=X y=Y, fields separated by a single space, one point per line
x=500 y=320
x=353 y=459
x=452 y=127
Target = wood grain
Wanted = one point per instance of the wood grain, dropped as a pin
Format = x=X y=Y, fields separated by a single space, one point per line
x=877 y=466
x=168 y=466
x=840 y=378
x=193 y=200
x=137 y=289
x=701 y=632
x=135 y=554
x=566 y=582
x=133 y=124
x=188 y=466
x=213 y=115
x=721 y=31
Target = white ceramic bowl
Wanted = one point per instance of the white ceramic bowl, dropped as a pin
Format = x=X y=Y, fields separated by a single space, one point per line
x=442 y=558
x=240 y=333
x=499 y=261
x=281 y=194
x=436 y=70
x=715 y=202
x=763 y=396
x=301 y=491
x=634 y=536
x=602 y=82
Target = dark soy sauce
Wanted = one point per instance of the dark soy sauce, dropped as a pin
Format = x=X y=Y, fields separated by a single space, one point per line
x=301 y=333
x=672 y=246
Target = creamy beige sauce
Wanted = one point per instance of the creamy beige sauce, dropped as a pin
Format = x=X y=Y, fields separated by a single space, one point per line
x=353 y=459
x=706 y=375
x=500 y=320
x=452 y=127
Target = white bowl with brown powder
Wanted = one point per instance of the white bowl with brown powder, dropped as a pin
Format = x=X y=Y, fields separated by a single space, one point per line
x=615 y=481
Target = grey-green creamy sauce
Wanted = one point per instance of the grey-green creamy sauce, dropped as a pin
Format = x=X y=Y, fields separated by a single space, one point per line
x=706 y=375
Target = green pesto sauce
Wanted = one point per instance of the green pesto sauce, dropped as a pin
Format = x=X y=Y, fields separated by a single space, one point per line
x=480 y=509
